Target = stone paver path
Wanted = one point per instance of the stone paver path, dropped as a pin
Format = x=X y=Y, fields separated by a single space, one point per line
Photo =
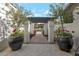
x=39 y=38
x=37 y=50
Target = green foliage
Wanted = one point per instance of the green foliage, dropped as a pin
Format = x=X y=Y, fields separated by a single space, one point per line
x=17 y=33
x=67 y=17
x=57 y=11
x=66 y=34
x=19 y=17
x=63 y=33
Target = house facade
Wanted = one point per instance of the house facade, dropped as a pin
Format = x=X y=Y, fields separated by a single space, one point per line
x=5 y=19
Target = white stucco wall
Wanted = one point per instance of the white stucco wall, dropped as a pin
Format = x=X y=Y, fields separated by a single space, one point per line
x=5 y=18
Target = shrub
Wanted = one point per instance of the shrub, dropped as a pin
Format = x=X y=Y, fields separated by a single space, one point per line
x=65 y=33
x=17 y=33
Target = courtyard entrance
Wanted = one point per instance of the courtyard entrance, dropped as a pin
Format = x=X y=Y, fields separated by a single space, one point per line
x=39 y=30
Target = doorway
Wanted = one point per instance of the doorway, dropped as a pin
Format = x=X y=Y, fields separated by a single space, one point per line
x=38 y=36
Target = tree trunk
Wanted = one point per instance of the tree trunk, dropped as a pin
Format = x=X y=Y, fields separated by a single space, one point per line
x=62 y=27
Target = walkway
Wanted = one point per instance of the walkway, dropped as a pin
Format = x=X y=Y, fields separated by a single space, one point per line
x=39 y=39
x=36 y=50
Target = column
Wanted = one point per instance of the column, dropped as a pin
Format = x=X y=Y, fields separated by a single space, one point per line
x=32 y=28
x=45 y=29
x=50 y=32
x=27 y=32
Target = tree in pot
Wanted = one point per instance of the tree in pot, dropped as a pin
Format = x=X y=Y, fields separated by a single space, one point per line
x=17 y=40
x=18 y=19
x=64 y=38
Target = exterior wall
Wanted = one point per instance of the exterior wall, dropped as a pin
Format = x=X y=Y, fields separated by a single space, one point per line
x=5 y=25
x=74 y=26
x=5 y=18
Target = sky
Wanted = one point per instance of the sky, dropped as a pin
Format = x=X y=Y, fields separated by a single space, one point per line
x=38 y=9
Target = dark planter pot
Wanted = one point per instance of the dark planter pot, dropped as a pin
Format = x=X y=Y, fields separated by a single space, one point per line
x=16 y=44
x=65 y=43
